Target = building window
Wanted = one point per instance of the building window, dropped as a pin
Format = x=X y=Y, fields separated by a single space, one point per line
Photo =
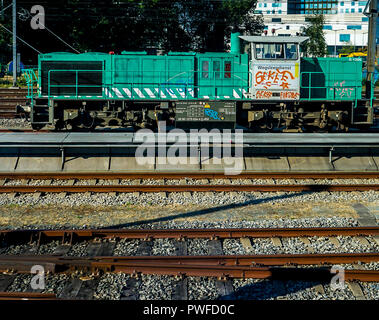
x=344 y=37
x=354 y=27
x=342 y=3
x=276 y=19
x=352 y=10
x=328 y=27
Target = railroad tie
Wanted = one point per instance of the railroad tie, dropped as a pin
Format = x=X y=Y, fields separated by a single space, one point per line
x=136 y=182
x=277 y=242
x=48 y=182
x=93 y=249
x=61 y=250
x=335 y=241
x=320 y=289
x=145 y=248
x=37 y=195
x=12 y=195
x=307 y=244
x=87 y=289
x=131 y=290
x=61 y=195
x=224 y=287
x=246 y=243
x=356 y=289
x=107 y=248
x=363 y=241
x=5 y=281
x=180 y=291
x=71 y=289
x=365 y=218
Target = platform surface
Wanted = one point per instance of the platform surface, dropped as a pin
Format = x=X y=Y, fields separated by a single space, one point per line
x=125 y=139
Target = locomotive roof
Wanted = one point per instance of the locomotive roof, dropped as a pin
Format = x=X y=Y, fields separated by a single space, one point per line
x=274 y=39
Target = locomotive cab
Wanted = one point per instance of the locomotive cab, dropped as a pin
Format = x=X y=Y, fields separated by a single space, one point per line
x=274 y=67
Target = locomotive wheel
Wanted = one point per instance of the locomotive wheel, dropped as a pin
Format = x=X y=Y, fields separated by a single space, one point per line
x=37 y=127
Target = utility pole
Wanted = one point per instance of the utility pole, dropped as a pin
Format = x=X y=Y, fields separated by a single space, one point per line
x=371 y=49
x=14 y=17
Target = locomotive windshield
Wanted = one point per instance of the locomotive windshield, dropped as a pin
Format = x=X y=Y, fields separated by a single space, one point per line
x=281 y=51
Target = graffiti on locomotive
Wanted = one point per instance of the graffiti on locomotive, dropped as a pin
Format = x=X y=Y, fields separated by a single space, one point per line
x=282 y=79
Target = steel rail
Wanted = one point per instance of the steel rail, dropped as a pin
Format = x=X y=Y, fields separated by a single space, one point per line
x=11 y=261
x=190 y=175
x=187 y=188
x=74 y=264
x=250 y=260
x=27 y=296
x=69 y=236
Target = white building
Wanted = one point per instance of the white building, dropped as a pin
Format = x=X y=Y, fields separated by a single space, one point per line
x=345 y=23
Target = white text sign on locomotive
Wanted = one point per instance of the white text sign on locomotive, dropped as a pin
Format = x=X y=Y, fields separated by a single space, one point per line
x=276 y=81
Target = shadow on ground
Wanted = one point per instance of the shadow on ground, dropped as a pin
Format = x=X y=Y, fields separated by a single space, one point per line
x=207 y=211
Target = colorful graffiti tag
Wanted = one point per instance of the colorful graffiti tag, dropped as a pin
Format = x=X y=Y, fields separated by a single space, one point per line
x=343 y=92
x=276 y=82
x=274 y=77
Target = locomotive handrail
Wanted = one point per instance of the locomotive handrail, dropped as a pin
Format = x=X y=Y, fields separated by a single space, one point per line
x=186 y=84
x=31 y=79
x=326 y=87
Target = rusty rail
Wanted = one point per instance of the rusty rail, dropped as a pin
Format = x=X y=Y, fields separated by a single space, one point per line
x=188 y=188
x=162 y=266
x=181 y=175
x=27 y=296
x=11 y=261
x=69 y=236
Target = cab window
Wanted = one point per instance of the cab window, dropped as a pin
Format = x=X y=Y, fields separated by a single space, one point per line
x=280 y=51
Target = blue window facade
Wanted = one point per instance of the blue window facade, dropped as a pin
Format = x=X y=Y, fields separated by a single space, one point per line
x=344 y=37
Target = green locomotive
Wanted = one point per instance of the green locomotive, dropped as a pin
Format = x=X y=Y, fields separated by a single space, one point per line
x=262 y=83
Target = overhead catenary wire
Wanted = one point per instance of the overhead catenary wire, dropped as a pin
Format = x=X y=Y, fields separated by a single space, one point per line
x=44 y=27
x=23 y=41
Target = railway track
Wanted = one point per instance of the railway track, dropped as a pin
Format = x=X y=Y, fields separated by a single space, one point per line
x=222 y=267
x=188 y=188
x=15 y=236
x=109 y=175
x=9 y=100
x=85 y=272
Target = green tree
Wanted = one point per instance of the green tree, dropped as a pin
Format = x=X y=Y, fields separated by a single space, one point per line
x=347 y=49
x=316 y=46
x=5 y=42
x=109 y=25
x=209 y=22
